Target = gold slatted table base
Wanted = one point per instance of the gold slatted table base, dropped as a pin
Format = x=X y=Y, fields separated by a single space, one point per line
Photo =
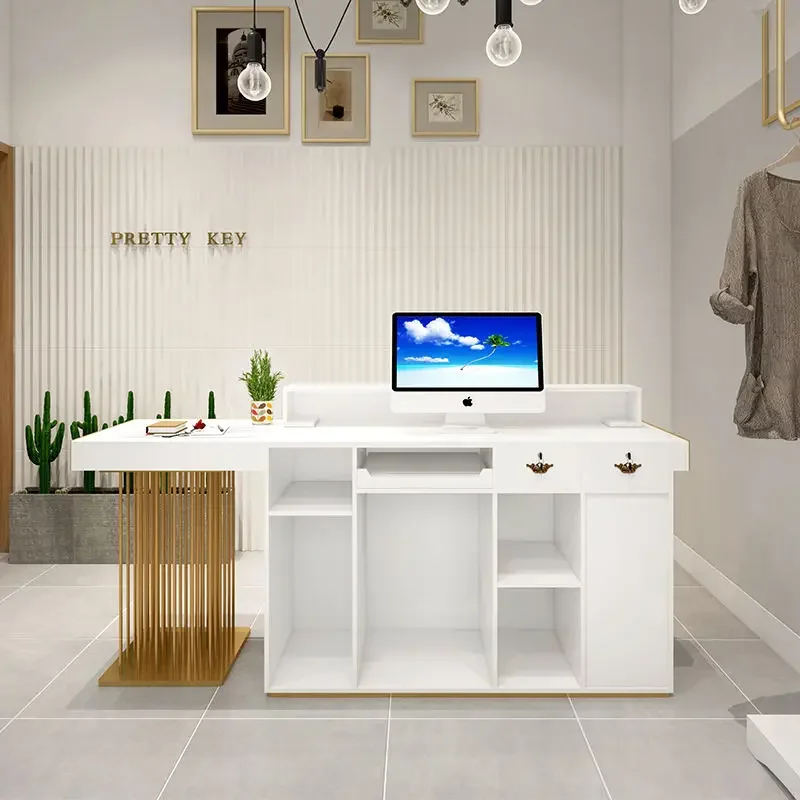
x=176 y=580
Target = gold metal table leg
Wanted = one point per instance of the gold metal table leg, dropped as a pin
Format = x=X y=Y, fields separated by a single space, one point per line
x=177 y=623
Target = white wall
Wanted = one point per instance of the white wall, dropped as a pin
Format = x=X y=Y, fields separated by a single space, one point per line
x=646 y=211
x=123 y=78
x=738 y=507
x=5 y=71
x=330 y=254
x=118 y=72
x=717 y=55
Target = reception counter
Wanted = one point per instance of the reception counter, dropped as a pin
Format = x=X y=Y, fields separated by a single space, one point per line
x=402 y=557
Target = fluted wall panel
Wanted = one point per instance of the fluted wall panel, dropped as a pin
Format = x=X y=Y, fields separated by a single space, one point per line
x=337 y=239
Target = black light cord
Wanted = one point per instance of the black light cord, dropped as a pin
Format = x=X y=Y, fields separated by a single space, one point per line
x=305 y=30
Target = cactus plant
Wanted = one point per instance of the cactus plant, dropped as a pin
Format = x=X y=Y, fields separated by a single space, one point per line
x=88 y=426
x=212 y=406
x=167 y=407
x=128 y=412
x=42 y=450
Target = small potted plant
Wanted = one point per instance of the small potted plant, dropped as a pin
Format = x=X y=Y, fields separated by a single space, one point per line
x=262 y=383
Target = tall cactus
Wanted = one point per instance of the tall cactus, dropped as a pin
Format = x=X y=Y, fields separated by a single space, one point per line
x=127 y=480
x=85 y=428
x=42 y=450
x=212 y=406
x=167 y=407
x=128 y=412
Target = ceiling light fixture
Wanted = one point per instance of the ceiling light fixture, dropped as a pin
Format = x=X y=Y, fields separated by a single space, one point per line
x=504 y=46
x=432 y=7
x=692 y=6
x=253 y=81
x=320 y=70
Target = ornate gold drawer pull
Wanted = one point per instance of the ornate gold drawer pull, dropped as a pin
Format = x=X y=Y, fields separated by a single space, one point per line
x=628 y=468
x=539 y=468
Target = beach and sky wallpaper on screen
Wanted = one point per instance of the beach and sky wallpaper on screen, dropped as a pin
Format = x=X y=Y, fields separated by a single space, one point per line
x=470 y=352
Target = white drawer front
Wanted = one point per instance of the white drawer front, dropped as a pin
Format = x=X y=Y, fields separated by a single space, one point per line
x=622 y=468
x=523 y=468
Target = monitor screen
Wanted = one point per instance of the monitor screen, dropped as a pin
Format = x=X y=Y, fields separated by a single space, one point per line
x=467 y=352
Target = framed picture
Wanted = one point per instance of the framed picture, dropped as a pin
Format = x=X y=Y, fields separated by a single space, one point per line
x=387 y=22
x=219 y=54
x=444 y=108
x=341 y=112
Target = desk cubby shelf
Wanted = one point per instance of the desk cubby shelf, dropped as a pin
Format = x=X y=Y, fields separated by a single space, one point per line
x=416 y=576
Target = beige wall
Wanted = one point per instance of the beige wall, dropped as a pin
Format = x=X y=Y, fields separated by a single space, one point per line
x=739 y=507
x=5 y=71
x=118 y=72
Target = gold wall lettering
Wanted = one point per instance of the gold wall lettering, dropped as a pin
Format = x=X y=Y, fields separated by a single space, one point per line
x=175 y=238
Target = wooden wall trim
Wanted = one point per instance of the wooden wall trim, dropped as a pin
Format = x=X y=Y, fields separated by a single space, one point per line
x=6 y=337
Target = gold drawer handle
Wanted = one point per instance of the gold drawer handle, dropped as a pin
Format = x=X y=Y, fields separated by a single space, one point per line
x=628 y=468
x=540 y=468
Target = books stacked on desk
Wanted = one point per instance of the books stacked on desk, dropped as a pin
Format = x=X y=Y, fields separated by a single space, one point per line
x=166 y=427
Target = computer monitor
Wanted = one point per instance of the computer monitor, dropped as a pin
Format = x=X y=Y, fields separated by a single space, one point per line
x=467 y=364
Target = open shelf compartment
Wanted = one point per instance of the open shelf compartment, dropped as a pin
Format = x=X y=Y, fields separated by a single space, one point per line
x=430 y=470
x=540 y=640
x=309 y=607
x=539 y=541
x=424 y=607
x=311 y=483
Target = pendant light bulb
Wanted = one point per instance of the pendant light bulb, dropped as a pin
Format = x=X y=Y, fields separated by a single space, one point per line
x=254 y=83
x=504 y=46
x=531 y=2
x=432 y=7
x=692 y=6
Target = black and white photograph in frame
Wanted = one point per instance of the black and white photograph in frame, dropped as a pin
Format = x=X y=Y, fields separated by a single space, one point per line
x=220 y=54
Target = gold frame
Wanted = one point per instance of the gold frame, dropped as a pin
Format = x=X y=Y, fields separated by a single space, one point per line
x=360 y=40
x=768 y=118
x=196 y=131
x=303 y=136
x=435 y=134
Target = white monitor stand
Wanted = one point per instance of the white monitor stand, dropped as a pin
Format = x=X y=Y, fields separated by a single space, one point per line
x=467 y=412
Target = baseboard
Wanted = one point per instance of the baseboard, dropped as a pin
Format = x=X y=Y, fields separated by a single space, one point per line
x=779 y=636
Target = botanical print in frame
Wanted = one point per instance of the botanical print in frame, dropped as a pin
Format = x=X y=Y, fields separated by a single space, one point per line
x=388 y=22
x=342 y=112
x=219 y=54
x=444 y=108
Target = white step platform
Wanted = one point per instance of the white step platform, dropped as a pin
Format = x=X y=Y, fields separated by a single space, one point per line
x=775 y=741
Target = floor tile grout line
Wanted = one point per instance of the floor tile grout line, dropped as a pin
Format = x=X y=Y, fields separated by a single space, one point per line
x=200 y=721
x=591 y=751
x=386 y=754
x=370 y=719
x=57 y=676
x=718 y=665
x=25 y=585
x=186 y=746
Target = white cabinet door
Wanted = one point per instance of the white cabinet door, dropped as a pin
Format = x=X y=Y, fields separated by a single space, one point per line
x=629 y=592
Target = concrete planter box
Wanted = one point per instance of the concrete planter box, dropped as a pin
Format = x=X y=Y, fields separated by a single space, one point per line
x=64 y=528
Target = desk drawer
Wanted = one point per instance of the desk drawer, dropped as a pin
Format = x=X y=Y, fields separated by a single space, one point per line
x=627 y=468
x=524 y=468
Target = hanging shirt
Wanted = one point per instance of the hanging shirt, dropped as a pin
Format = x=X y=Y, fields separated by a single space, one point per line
x=760 y=288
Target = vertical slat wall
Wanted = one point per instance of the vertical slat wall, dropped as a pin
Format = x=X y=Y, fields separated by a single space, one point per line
x=337 y=239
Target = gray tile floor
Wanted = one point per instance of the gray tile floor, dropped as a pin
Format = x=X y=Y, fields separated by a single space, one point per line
x=61 y=737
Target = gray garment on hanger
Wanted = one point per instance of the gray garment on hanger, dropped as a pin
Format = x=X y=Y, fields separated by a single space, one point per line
x=760 y=288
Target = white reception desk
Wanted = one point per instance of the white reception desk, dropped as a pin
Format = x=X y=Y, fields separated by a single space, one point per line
x=401 y=558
